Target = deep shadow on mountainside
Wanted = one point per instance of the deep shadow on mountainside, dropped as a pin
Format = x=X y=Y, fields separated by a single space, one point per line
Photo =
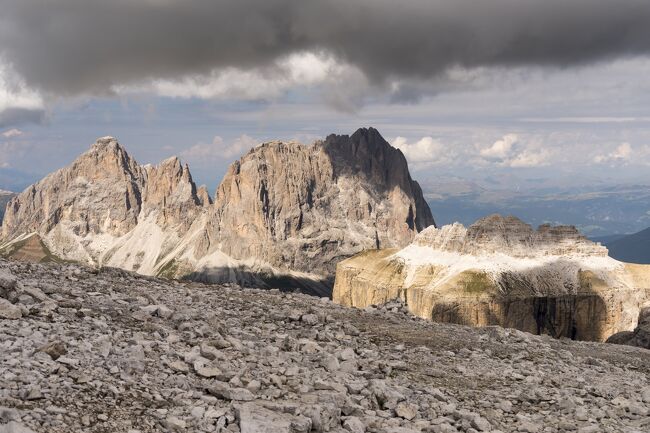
x=5 y=196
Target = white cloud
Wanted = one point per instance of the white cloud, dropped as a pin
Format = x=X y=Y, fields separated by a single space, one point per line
x=14 y=93
x=12 y=133
x=305 y=69
x=622 y=153
x=218 y=149
x=530 y=158
x=425 y=152
x=502 y=148
x=516 y=151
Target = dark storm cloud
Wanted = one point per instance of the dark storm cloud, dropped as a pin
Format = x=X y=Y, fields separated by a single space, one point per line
x=79 y=46
x=18 y=116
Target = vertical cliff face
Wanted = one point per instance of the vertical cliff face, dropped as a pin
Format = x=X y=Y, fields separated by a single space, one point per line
x=284 y=214
x=307 y=207
x=5 y=196
x=382 y=169
x=500 y=271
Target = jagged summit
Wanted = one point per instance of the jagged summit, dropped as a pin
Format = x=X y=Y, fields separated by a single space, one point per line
x=283 y=215
x=510 y=236
x=104 y=208
x=384 y=167
x=105 y=141
x=315 y=205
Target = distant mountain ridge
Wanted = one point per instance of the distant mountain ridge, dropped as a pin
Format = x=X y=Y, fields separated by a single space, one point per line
x=597 y=210
x=634 y=248
x=284 y=214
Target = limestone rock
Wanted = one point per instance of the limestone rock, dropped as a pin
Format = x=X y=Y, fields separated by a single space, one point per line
x=9 y=310
x=103 y=209
x=14 y=427
x=500 y=271
x=7 y=280
x=319 y=199
x=283 y=216
x=640 y=337
x=55 y=349
x=257 y=419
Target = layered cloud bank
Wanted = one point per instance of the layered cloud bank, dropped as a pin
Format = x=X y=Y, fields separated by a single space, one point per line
x=72 y=47
x=515 y=84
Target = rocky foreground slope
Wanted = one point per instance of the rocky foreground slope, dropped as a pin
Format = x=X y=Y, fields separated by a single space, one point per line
x=104 y=350
x=284 y=214
x=499 y=271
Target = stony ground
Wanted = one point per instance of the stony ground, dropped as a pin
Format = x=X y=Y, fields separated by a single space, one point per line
x=106 y=351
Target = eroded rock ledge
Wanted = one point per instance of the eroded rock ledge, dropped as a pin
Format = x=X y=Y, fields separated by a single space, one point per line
x=500 y=271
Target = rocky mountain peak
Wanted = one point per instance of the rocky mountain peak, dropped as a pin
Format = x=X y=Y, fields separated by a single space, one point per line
x=304 y=207
x=511 y=236
x=500 y=271
x=106 y=159
x=282 y=209
x=106 y=142
x=384 y=169
x=103 y=195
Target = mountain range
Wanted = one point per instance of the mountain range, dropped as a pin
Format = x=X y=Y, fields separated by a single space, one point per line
x=284 y=215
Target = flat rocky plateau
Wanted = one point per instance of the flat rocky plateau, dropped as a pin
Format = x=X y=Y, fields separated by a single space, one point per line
x=108 y=351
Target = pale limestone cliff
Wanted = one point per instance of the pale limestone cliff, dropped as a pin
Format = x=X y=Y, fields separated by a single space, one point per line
x=106 y=209
x=307 y=207
x=640 y=336
x=500 y=271
x=284 y=214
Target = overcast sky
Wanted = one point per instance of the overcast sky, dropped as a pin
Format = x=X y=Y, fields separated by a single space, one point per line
x=537 y=89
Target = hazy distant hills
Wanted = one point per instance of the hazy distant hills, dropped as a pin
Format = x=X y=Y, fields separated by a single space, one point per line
x=634 y=248
x=597 y=211
x=601 y=214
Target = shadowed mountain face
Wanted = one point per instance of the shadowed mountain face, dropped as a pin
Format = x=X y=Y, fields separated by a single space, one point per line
x=382 y=167
x=500 y=271
x=5 y=196
x=283 y=215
